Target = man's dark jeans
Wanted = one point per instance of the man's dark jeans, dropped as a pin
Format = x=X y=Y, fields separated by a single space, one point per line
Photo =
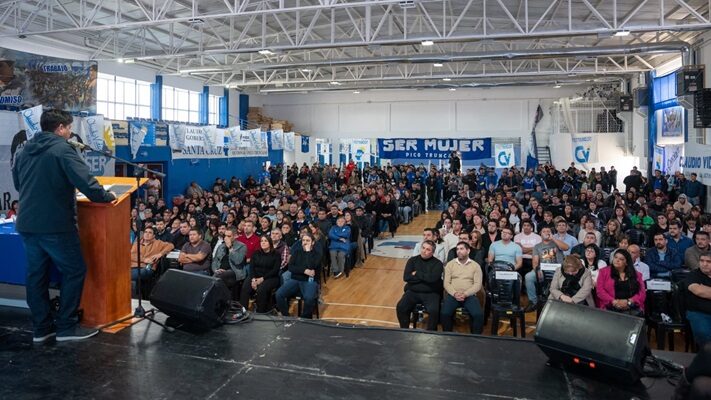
x=64 y=251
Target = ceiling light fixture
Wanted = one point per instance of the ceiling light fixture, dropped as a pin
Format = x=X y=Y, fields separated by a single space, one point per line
x=356 y=91
x=427 y=43
x=446 y=79
x=452 y=89
x=336 y=83
x=305 y=70
x=200 y=70
x=265 y=52
x=622 y=33
x=438 y=65
x=557 y=86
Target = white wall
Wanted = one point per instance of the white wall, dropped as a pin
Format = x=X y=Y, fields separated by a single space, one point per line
x=496 y=112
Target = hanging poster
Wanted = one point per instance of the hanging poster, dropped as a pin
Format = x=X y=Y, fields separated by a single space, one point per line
x=141 y=133
x=278 y=139
x=584 y=149
x=289 y=139
x=120 y=129
x=504 y=155
x=304 y=144
x=658 y=159
x=96 y=132
x=673 y=153
x=211 y=142
x=360 y=150
x=670 y=125
x=31 y=120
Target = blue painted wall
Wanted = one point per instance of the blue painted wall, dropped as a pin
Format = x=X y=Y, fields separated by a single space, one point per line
x=179 y=173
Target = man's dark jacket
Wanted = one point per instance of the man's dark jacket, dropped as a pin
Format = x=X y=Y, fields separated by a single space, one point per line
x=46 y=173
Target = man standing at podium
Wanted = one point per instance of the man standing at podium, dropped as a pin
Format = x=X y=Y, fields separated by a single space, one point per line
x=46 y=174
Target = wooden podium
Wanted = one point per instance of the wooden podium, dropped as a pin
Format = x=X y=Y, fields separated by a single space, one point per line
x=104 y=232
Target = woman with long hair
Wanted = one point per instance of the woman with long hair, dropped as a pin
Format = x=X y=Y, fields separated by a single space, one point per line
x=478 y=225
x=612 y=234
x=620 y=287
x=477 y=251
x=304 y=267
x=592 y=261
x=263 y=275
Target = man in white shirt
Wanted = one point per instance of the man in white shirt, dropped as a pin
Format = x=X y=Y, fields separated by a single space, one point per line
x=452 y=238
x=640 y=266
x=527 y=239
x=429 y=234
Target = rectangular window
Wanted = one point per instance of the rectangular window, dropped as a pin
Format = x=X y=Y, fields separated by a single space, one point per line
x=180 y=105
x=119 y=97
x=213 y=110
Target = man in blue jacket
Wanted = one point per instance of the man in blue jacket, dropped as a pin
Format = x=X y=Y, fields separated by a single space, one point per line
x=46 y=174
x=662 y=259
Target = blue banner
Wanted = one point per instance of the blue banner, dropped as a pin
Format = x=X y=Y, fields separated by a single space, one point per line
x=441 y=149
x=304 y=144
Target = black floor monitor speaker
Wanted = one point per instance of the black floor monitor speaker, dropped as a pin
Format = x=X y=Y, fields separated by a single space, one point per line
x=198 y=300
x=593 y=341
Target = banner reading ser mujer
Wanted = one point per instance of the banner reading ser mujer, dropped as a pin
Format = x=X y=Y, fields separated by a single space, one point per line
x=469 y=149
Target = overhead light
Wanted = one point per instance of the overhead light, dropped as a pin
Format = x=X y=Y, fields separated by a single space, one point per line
x=622 y=33
x=335 y=83
x=427 y=43
x=446 y=79
x=452 y=89
x=305 y=70
x=438 y=65
x=129 y=61
x=356 y=91
x=557 y=86
x=120 y=60
x=265 y=52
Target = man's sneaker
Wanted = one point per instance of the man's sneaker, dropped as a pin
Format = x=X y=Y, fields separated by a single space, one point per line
x=338 y=275
x=43 y=339
x=78 y=333
x=531 y=307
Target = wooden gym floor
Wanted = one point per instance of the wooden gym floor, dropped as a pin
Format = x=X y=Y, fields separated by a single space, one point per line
x=369 y=295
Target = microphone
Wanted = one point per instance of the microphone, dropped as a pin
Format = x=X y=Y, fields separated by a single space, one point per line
x=78 y=145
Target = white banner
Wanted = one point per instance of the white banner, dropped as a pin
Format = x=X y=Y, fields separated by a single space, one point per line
x=278 y=139
x=31 y=120
x=504 y=154
x=360 y=150
x=584 y=149
x=225 y=143
x=12 y=139
x=658 y=160
x=97 y=132
x=289 y=138
x=673 y=153
x=697 y=159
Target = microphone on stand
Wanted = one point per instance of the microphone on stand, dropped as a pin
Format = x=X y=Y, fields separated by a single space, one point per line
x=78 y=145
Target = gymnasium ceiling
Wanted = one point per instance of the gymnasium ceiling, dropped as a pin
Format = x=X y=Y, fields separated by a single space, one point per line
x=303 y=45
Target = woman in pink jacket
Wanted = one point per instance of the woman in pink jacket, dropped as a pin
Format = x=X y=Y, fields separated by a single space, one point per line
x=620 y=287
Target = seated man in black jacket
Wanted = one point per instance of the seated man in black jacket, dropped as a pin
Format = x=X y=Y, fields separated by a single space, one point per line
x=423 y=285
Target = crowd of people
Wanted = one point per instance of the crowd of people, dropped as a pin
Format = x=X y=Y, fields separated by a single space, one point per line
x=276 y=234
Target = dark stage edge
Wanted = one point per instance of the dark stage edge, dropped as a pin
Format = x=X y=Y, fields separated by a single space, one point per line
x=281 y=359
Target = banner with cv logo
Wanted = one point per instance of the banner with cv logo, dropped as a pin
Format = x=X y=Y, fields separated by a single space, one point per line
x=584 y=149
x=504 y=155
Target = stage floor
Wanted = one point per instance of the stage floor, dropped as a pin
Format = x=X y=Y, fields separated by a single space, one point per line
x=279 y=359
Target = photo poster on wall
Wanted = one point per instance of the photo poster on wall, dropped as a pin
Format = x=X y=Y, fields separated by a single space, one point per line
x=658 y=159
x=29 y=80
x=12 y=139
x=670 y=125
x=304 y=144
x=96 y=132
x=504 y=155
x=277 y=139
x=289 y=141
x=584 y=149
x=673 y=154
x=360 y=150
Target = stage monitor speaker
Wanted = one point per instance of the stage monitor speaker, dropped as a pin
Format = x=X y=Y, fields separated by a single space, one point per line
x=198 y=300
x=593 y=341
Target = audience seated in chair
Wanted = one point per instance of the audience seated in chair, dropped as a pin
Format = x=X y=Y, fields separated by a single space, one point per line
x=304 y=267
x=662 y=259
x=195 y=254
x=692 y=256
x=550 y=251
x=620 y=287
x=462 y=282
x=263 y=276
x=423 y=285
x=572 y=283
x=228 y=262
x=698 y=300
x=152 y=250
